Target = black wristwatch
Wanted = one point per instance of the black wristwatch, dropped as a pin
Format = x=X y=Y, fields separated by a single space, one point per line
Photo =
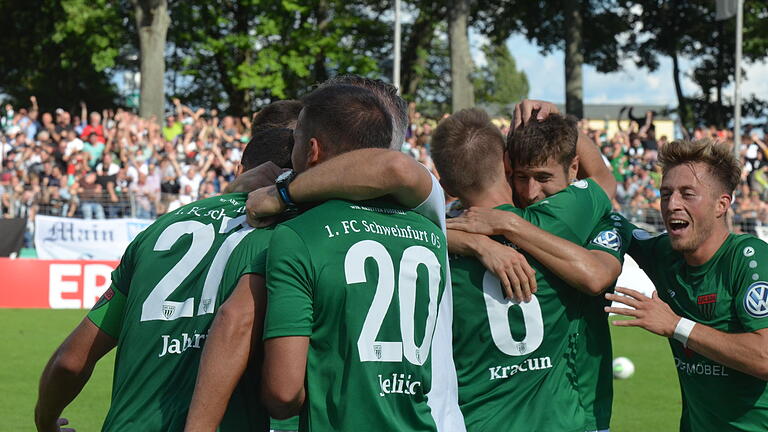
x=282 y=182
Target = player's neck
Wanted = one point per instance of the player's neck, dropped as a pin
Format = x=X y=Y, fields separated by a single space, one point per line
x=492 y=196
x=708 y=248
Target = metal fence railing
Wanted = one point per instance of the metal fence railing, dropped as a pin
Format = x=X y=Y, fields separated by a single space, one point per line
x=143 y=204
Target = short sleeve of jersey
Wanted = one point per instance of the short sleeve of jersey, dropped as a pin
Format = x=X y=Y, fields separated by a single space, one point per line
x=289 y=286
x=107 y=313
x=433 y=208
x=251 y=253
x=751 y=283
x=642 y=244
x=611 y=236
x=259 y=265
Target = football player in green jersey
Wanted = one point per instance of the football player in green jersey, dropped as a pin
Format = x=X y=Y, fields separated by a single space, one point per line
x=712 y=295
x=369 y=173
x=171 y=281
x=331 y=333
x=541 y=169
x=490 y=349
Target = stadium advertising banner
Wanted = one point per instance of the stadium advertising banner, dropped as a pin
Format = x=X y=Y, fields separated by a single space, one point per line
x=33 y=283
x=84 y=239
x=52 y=284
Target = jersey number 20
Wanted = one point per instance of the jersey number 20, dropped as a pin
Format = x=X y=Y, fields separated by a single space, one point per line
x=157 y=306
x=354 y=268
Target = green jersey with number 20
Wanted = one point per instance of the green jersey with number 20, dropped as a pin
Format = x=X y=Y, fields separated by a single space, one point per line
x=515 y=361
x=366 y=283
x=728 y=293
x=164 y=294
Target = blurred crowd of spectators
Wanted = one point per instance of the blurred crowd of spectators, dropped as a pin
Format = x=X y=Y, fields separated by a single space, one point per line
x=632 y=155
x=114 y=164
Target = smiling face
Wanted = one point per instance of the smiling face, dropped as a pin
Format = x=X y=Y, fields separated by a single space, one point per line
x=533 y=184
x=692 y=205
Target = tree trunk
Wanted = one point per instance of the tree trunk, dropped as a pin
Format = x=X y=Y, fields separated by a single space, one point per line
x=682 y=105
x=414 y=60
x=152 y=21
x=720 y=74
x=574 y=58
x=462 y=91
x=323 y=21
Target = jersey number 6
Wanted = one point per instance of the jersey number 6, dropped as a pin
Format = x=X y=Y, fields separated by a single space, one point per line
x=498 y=318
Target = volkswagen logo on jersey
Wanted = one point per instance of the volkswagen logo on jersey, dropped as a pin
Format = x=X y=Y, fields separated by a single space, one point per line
x=609 y=240
x=756 y=300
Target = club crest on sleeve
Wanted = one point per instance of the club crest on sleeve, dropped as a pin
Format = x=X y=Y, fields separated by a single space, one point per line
x=641 y=234
x=756 y=300
x=608 y=239
x=581 y=184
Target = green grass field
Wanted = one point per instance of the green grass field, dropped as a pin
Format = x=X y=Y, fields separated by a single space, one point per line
x=649 y=401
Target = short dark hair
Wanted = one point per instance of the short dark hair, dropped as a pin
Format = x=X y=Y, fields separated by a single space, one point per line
x=465 y=148
x=387 y=94
x=280 y=114
x=273 y=145
x=346 y=118
x=539 y=141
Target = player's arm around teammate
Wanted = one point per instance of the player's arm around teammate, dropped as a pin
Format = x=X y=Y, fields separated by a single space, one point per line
x=589 y=271
x=517 y=277
x=68 y=371
x=357 y=175
x=233 y=340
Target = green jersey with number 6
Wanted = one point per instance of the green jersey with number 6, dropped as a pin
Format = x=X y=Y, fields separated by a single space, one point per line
x=728 y=293
x=164 y=294
x=515 y=361
x=366 y=282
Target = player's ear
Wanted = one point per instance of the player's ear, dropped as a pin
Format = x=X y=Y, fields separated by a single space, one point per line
x=573 y=169
x=315 y=151
x=722 y=205
x=238 y=169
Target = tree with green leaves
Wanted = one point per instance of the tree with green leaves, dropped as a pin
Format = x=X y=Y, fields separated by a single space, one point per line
x=587 y=30
x=62 y=52
x=242 y=53
x=499 y=82
x=688 y=30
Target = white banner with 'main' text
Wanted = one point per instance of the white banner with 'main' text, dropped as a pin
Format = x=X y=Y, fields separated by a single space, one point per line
x=84 y=239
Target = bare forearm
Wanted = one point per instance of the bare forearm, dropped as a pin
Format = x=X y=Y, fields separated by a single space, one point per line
x=745 y=352
x=591 y=165
x=464 y=243
x=577 y=266
x=58 y=388
x=365 y=174
x=223 y=362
